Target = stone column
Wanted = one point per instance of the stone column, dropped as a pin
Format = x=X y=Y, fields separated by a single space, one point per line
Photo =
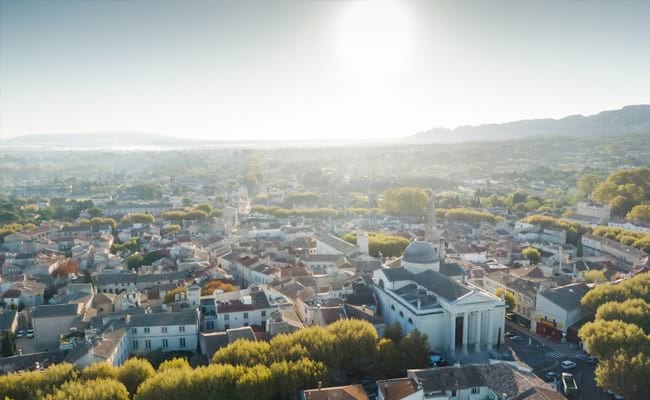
x=477 y=344
x=465 y=331
x=452 y=343
x=490 y=327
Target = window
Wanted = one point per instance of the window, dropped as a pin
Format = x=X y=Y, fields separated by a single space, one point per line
x=182 y=342
x=134 y=330
x=181 y=328
x=226 y=317
x=135 y=345
x=263 y=313
x=392 y=307
x=165 y=343
x=245 y=315
x=453 y=392
x=401 y=314
x=163 y=329
x=245 y=323
x=147 y=330
x=209 y=325
x=410 y=321
x=147 y=344
x=227 y=326
x=476 y=390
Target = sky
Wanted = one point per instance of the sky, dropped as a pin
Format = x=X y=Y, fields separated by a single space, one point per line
x=310 y=69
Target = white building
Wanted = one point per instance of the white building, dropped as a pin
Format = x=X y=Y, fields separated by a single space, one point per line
x=165 y=331
x=451 y=313
x=557 y=309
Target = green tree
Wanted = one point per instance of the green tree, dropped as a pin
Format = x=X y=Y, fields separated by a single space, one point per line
x=133 y=372
x=205 y=207
x=632 y=311
x=414 y=348
x=408 y=201
x=134 y=261
x=243 y=352
x=388 y=361
x=394 y=332
x=532 y=254
x=96 y=389
x=510 y=299
x=640 y=213
x=7 y=344
x=625 y=374
x=595 y=276
x=98 y=371
x=95 y=212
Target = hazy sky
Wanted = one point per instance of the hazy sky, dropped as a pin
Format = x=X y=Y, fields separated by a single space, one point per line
x=308 y=69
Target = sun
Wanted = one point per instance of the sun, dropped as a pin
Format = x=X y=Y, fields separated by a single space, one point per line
x=373 y=37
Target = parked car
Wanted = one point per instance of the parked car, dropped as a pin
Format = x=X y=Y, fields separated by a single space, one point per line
x=569 y=385
x=517 y=338
x=509 y=334
x=587 y=358
x=436 y=360
x=20 y=333
x=30 y=333
x=566 y=364
x=550 y=376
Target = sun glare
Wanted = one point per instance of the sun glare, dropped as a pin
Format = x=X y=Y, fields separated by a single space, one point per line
x=373 y=37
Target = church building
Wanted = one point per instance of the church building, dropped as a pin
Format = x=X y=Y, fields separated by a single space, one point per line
x=432 y=296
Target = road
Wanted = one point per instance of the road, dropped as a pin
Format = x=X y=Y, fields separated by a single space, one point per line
x=542 y=358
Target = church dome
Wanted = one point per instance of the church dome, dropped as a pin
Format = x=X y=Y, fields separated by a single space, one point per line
x=420 y=252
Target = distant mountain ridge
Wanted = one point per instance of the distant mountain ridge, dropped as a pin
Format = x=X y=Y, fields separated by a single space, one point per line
x=633 y=119
x=97 y=139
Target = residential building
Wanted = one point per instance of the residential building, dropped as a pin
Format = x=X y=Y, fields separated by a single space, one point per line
x=500 y=381
x=350 y=392
x=557 y=310
x=164 y=331
x=52 y=321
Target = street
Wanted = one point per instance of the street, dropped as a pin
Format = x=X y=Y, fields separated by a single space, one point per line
x=543 y=356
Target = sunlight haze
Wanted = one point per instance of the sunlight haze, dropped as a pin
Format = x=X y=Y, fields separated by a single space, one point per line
x=266 y=70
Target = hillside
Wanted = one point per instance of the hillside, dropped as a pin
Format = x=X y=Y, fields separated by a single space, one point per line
x=628 y=120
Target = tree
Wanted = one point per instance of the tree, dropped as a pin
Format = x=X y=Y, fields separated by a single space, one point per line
x=96 y=389
x=408 y=201
x=205 y=207
x=7 y=345
x=604 y=338
x=134 y=261
x=414 y=348
x=532 y=254
x=626 y=375
x=394 y=332
x=510 y=299
x=95 y=212
x=173 y=364
x=243 y=352
x=170 y=297
x=632 y=311
x=98 y=371
x=66 y=268
x=595 y=276
x=624 y=189
x=133 y=372
x=586 y=184
x=640 y=213
x=140 y=218
x=388 y=362
x=216 y=284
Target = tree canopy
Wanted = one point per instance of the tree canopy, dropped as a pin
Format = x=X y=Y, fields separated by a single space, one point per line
x=620 y=335
x=405 y=201
x=624 y=189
